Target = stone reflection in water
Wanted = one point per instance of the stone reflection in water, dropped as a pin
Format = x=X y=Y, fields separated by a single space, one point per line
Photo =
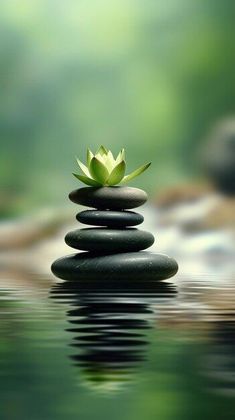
x=109 y=321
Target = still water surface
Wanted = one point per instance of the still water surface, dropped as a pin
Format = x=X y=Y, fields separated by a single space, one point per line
x=163 y=351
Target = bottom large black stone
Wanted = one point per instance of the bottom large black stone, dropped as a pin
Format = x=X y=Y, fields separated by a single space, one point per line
x=125 y=266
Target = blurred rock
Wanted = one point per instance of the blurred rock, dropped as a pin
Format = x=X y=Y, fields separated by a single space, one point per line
x=210 y=204
x=219 y=157
x=22 y=233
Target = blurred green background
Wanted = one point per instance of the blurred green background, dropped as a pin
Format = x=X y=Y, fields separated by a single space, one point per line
x=150 y=76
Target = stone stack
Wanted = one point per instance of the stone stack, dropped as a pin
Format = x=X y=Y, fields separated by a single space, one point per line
x=114 y=249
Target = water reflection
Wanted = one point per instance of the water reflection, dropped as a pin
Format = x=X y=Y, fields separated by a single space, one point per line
x=109 y=323
x=220 y=360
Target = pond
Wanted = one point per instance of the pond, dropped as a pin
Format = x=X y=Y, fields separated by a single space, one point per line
x=92 y=351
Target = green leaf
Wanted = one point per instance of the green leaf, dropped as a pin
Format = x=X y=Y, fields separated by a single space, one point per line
x=83 y=167
x=123 y=154
x=135 y=173
x=102 y=151
x=101 y=158
x=117 y=174
x=89 y=155
x=109 y=161
x=98 y=170
x=87 y=181
x=120 y=156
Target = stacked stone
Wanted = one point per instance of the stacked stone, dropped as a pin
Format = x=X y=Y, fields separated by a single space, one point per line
x=113 y=247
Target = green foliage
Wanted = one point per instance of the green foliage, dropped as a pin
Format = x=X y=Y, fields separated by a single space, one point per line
x=103 y=169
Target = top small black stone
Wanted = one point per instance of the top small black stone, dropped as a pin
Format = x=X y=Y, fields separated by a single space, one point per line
x=113 y=198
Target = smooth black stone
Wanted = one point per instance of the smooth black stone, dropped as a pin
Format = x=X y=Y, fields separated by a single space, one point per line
x=109 y=240
x=110 y=218
x=138 y=266
x=113 y=198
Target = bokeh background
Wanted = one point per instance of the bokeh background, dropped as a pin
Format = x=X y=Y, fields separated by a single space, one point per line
x=155 y=77
x=151 y=76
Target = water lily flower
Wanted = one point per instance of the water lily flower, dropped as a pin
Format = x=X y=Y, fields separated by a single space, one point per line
x=104 y=170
